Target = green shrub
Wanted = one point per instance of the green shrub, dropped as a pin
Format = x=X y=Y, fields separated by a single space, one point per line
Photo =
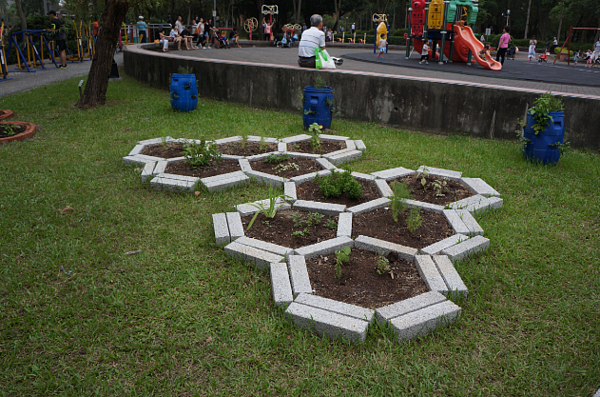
x=200 y=154
x=340 y=182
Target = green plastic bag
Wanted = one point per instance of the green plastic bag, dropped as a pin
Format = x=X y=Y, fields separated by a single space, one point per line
x=318 y=63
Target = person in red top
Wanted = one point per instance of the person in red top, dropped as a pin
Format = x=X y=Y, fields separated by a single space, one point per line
x=503 y=45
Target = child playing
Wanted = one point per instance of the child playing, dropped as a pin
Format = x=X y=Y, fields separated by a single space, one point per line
x=484 y=50
x=424 y=54
x=590 y=58
x=382 y=45
x=576 y=57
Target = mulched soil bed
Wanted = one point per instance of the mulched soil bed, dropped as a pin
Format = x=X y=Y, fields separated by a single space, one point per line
x=181 y=168
x=305 y=147
x=5 y=132
x=456 y=191
x=379 y=224
x=311 y=191
x=167 y=151
x=279 y=230
x=360 y=284
x=249 y=149
x=305 y=166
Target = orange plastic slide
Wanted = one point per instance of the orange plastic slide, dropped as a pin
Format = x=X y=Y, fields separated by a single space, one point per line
x=465 y=40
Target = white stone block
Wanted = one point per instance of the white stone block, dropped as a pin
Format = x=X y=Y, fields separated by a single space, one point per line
x=280 y=282
x=289 y=189
x=296 y=138
x=299 y=275
x=425 y=206
x=325 y=247
x=344 y=224
x=454 y=175
x=457 y=224
x=360 y=145
x=336 y=307
x=384 y=247
x=259 y=258
x=392 y=173
x=221 y=229
x=309 y=177
x=263 y=245
x=137 y=149
x=442 y=245
x=245 y=165
x=370 y=205
x=363 y=177
x=450 y=275
x=321 y=208
x=334 y=138
x=350 y=144
x=325 y=164
x=430 y=274
x=421 y=322
x=229 y=140
x=479 y=186
x=390 y=312
x=147 y=172
x=266 y=179
x=470 y=222
x=384 y=188
x=234 y=222
x=471 y=246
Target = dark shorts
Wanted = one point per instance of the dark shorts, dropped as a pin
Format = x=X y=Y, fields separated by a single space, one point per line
x=306 y=62
x=61 y=45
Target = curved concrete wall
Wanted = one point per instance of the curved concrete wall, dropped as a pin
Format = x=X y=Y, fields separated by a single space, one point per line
x=428 y=105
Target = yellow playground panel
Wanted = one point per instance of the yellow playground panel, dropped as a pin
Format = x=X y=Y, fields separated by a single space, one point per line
x=435 y=19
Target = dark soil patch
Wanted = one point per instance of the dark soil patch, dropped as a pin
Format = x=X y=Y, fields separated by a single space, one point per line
x=379 y=224
x=453 y=191
x=248 y=149
x=8 y=130
x=305 y=147
x=360 y=284
x=224 y=167
x=286 y=169
x=166 y=151
x=279 y=230
x=310 y=191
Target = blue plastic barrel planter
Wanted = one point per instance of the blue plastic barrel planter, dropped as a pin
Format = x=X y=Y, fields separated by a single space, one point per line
x=184 y=92
x=317 y=106
x=543 y=146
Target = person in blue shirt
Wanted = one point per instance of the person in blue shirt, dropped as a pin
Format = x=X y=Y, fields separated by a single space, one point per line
x=142 y=29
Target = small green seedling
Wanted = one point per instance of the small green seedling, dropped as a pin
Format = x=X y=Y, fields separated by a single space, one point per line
x=315 y=141
x=414 y=220
x=424 y=174
x=285 y=167
x=330 y=224
x=274 y=158
x=383 y=265
x=440 y=186
x=262 y=144
x=398 y=199
x=201 y=154
x=341 y=257
x=270 y=211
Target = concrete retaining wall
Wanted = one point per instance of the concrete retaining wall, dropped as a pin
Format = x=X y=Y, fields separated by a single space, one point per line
x=402 y=102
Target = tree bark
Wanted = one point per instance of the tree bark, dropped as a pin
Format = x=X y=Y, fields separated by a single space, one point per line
x=527 y=23
x=97 y=83
x=21 y=15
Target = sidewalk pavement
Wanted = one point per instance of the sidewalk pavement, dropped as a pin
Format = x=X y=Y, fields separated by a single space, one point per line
x=24 y=81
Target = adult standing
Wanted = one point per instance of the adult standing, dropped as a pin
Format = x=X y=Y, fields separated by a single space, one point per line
x=179 y=25
x=200 y=32
x=596 y=54
x=311 y=39
x=353 y=28
x=503 y=45
x=532 y=45
x=142 y=29
x=208 y=33
x=60 y=38
x=554 y=45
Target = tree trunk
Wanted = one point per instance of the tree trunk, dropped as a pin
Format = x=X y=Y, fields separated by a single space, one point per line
x=97 y=83
x=527 y=23
x=338 y=5
x=562 y=13
x=21 y=15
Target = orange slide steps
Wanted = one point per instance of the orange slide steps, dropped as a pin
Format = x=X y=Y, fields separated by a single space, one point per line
x=465 y=40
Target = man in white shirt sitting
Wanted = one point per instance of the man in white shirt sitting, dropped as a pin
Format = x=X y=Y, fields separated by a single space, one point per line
x=311 y=39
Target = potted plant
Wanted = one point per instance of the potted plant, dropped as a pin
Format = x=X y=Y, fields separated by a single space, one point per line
x=544 y=131
x=184 y=90
x=317 y=104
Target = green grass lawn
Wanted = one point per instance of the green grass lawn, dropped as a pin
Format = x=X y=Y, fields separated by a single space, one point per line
x=181 y=318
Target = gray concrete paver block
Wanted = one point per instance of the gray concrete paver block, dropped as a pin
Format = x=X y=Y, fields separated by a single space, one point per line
x=466 y=248
x=420 y=322
x=304 y=155
x=369 y=206
x=344 y=224
x=390 y=312
x=154 y=141
x=384 y=188
x=336 y=307
x=442 y=245
x=281 y=147
x=148 y=171
x=350 y=155
x=457 y=224
x=309 y=177
x=289 y=189
x=350 y=144
x=234 y=222
x=470 y=222
x=430 y=274
x=263 y=245
x=479 y=186
x=326 y=323
x=261 y=259
x=266 y=179
x=392 y=173
x=229 y=140
x=450 y=275
x=454 y=175
x=384 y=247
x=360 y=145
x=426 y=206
x=363 y=177
x=321 y=208
x=172 y=184
x=495 y=203
x=160 y=168
x=281 y=286
x=248 y=209
x=299 y=275
x=137 y=149
x=325 y=247
x=464 y=203
x=326 y=164
x=296 y=138
x=231 y=157
x=245 y=165
x=335 y=138
x=225 y=181
x=221 y=230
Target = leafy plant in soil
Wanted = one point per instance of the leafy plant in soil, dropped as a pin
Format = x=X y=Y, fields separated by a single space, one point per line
x=275 y=158
x=424 y=174
x=383 y=265
x=8 y=129
x=315 y=141
x=414 y=220
x=200 y=154
x=398 y=199
x=340 y=257
x=330 y=224
x=541 y=108
x=271 y=210
x=312 y=218
x=340 y=182
x=440 y=186
x=284 y=167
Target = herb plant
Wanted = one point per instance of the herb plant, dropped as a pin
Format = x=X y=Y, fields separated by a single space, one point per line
x=341 y=257
x=383 y=265
x=315 y=141
x=340 y=182
x=440 y=186
x=398 y=199
x=414 y=220
x=330 y=224
x=201 y=154
x=276 y=158
x=285 y=167
x=8 y=129
x=270 y=211
x=541 y=108
x=424 y=174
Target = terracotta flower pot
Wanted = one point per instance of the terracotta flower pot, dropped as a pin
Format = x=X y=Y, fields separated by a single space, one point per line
x=6 y=114
x=30 y=130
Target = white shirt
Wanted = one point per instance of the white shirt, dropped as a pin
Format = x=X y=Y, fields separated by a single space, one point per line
x=311 y=39
x=173 y=33
x=179 y=27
